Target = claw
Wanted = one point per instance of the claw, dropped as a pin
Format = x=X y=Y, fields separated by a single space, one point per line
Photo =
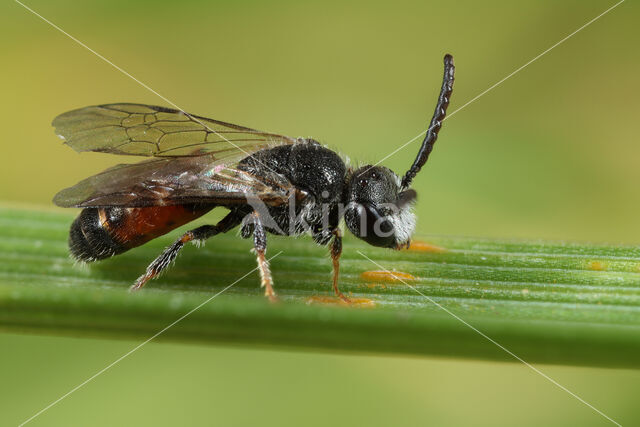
x=344 y=298
x=142 y=280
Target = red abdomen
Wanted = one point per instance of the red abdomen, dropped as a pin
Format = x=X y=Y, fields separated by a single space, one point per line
x=100 y=233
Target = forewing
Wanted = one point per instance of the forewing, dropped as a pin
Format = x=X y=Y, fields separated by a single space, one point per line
x=174 y=181
x=147 y=130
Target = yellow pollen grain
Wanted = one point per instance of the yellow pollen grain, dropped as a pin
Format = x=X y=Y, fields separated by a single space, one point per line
x=386 y=276
x=597 y=265
x=418 y=246
x=374 y=286
x=353 y=302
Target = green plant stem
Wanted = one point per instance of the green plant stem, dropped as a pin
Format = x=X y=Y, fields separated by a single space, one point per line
x=545 y=302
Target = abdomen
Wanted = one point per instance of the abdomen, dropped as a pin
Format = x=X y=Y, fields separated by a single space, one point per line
x=99 y=233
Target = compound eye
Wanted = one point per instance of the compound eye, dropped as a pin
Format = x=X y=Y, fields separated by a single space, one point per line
x=375 y=228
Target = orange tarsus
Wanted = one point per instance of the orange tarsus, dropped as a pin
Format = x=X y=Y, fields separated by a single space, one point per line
x=265 y=275
x=141 y=282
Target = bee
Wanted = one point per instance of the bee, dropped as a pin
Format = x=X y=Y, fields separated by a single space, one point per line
x=269 y=183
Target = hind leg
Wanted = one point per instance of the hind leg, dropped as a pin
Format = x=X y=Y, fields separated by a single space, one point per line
x=169 y=254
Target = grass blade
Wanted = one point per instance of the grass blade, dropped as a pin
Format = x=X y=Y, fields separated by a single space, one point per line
x=573 y=304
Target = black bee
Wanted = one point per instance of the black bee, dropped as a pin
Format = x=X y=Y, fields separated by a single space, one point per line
x=268 y=182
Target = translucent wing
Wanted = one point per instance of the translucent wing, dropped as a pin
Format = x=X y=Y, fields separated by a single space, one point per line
x=174 y=181
x=147 y=130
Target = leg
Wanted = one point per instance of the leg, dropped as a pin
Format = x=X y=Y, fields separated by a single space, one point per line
x=336 y=251
x=260 y=245
x=170 y=253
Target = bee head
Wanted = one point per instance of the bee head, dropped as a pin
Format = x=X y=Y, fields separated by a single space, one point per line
x=379 y=211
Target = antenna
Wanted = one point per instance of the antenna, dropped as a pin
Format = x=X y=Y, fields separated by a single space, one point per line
x=436 y=122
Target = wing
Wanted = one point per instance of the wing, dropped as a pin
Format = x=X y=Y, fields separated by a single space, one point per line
x=152 y=131
x=175 y=181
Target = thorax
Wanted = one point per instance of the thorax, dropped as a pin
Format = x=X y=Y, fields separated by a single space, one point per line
x=313 y=168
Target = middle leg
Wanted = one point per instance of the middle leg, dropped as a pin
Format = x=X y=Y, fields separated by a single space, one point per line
x=260 y=246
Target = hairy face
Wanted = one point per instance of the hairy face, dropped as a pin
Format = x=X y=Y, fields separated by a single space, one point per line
x=378 y=211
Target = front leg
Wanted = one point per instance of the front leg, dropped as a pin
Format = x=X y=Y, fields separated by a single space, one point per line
x=336 y=250
x=260 y=245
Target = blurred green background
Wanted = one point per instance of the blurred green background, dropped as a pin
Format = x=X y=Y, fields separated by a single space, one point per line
x=551 y=153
